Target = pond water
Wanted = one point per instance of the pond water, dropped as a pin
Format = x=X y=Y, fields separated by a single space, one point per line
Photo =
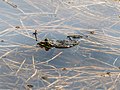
x=94 y=64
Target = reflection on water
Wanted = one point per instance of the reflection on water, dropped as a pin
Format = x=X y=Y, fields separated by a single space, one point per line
x=94 y=64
